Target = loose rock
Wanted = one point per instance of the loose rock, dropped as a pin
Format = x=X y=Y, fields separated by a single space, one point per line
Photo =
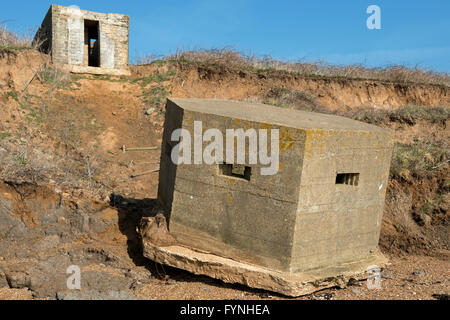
x=357 y=292
x=442 y=297
x=149 y=111
x=419 y=273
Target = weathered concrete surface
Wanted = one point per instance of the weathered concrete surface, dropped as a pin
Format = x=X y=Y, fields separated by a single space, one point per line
x=322 y=209
x=62 y=34
x=42 y=233
x=286 y=283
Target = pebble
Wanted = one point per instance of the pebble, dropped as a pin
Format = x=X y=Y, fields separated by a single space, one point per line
x=442 y=297
x=150 y=111
x=386 y=274
x=419 y=273
x=356 y=291
x=170 y=282
x=3 y=153
x=265 y=296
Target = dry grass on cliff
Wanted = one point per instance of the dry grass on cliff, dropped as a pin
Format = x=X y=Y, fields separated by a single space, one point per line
x=419 y=160
x=231 y=58
x=12 y=40
x=409 y=115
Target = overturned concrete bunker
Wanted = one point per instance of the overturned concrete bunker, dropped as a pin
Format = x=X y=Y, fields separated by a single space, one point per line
x=84 y=41
x=314 y=224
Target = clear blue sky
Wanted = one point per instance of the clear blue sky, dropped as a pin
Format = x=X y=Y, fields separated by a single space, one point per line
x=413 y=32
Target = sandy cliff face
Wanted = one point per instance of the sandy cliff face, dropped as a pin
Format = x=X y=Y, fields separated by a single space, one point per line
x=66 y=191
x=336 y=93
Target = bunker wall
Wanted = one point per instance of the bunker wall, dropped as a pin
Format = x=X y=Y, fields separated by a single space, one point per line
x=250 y=220
x=342 y=195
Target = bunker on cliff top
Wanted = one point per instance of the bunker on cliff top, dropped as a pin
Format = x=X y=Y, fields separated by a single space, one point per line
x=84 y=41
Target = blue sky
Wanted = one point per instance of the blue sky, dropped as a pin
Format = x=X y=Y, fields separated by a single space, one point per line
x=413 y=32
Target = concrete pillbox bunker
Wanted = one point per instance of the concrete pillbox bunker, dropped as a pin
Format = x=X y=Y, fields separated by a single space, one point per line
x=84 y=41
x=318 y=217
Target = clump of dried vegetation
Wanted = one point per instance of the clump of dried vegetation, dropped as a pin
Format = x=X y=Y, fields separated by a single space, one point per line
x=419 y=159
x=409 y=115
x=294 y=99
x=12 y=40
x=230 y=58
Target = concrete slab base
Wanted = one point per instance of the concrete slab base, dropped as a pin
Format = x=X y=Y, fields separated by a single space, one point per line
x=288 y=284
x=95 y=71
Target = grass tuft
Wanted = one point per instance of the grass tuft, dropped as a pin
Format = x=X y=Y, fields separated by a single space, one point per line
x=418 y=159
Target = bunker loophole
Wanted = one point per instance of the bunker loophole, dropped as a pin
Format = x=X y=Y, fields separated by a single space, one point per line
x=236 y=170
x=92 y=43
x=351 y=179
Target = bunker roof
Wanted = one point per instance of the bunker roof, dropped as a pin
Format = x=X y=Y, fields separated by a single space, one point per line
x=88 y=12
x=273 y=115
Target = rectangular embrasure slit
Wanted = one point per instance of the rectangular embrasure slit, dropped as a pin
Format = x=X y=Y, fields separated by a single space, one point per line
x=236 y=171
x=351 y=179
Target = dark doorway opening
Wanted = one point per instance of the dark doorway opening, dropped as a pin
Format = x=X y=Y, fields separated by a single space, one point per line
x=92 y=43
